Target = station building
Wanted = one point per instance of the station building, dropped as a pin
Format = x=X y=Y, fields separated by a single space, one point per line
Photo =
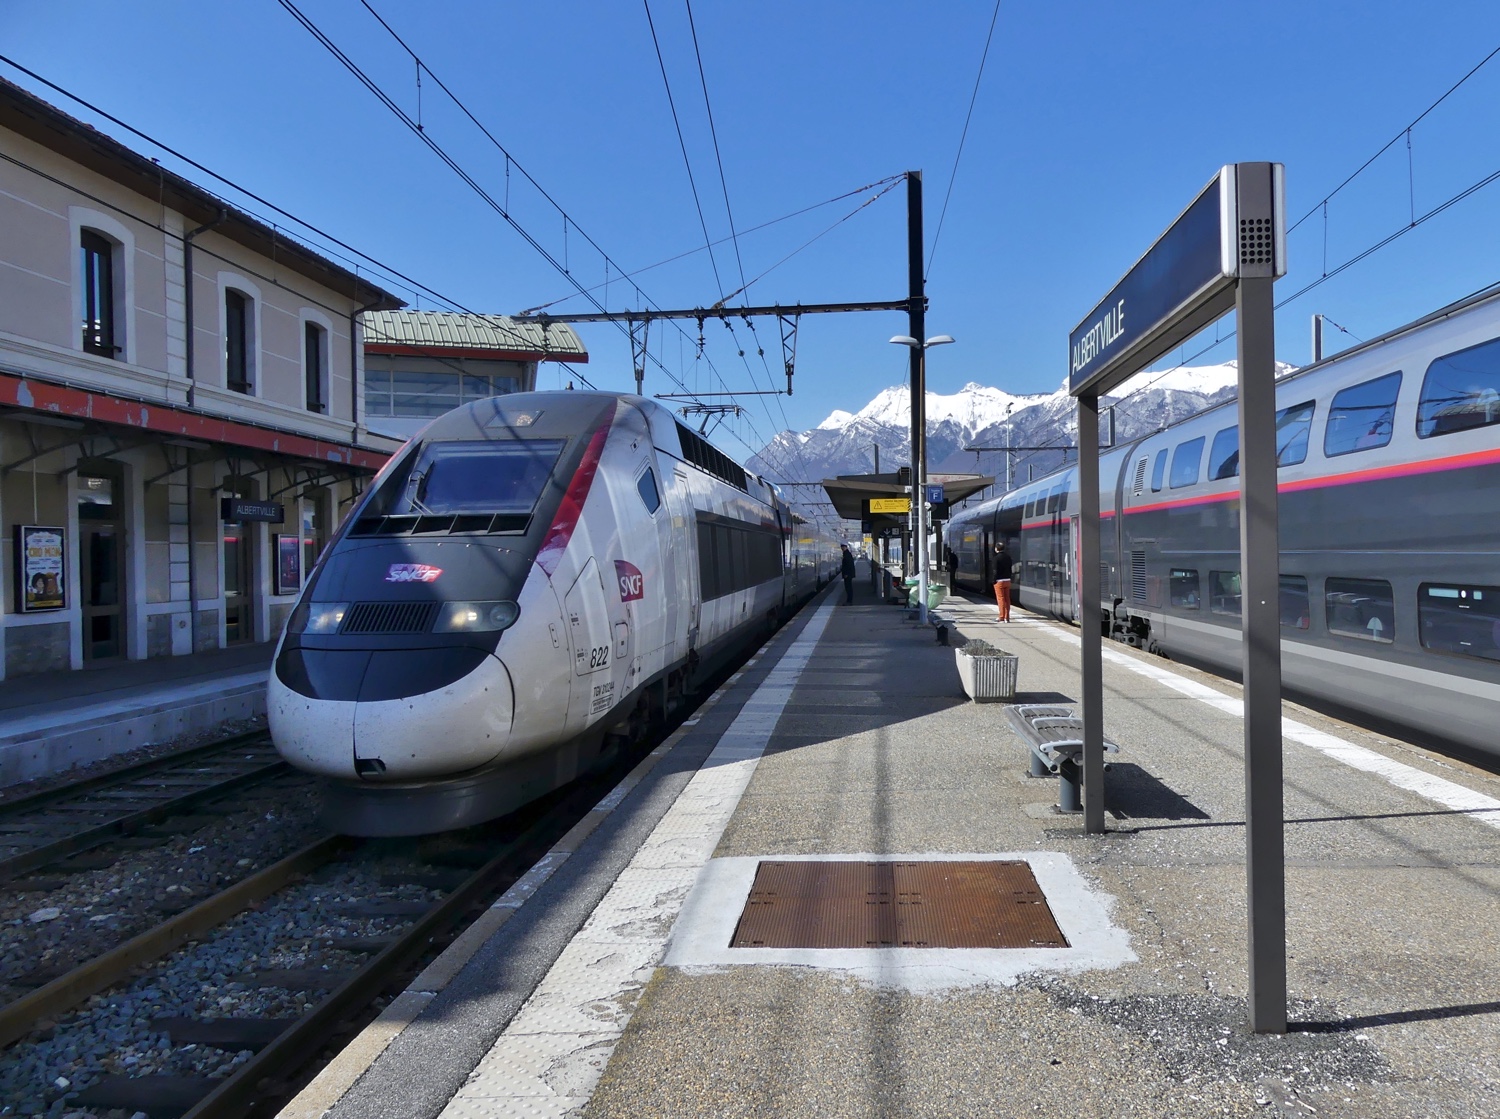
x=181 y=421
x=421 y=364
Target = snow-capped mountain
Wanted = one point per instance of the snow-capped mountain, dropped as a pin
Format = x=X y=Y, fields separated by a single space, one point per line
x=981 y=416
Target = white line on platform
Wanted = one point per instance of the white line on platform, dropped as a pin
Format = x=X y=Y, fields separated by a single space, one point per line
x=554 y=1050
x=1439 y=790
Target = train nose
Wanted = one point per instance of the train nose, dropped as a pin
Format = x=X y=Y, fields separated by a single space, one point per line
x=462 y=725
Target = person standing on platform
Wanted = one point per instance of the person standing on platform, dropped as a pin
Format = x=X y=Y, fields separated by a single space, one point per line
x=846 y=569
x=1003 y=570
x=952 y=565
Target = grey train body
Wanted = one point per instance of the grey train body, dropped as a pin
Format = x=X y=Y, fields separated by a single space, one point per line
x=1389 y=516
x=532 y=578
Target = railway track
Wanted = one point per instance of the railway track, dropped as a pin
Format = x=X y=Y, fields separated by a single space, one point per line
x=58 y=824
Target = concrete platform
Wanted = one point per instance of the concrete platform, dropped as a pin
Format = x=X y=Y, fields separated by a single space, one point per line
x=54 y=721
x=603 y=985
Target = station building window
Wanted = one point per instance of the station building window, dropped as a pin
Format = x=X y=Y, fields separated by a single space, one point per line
x=1363 y=608
x=1224 y=455
x=1461 y=391
x=1293 y=426
x=1362 y=416
x=98 y=262
x=239 y=341
x=1294 y=602
x=315 y=365
x=1182 y=586
x=1458 y=618
x=1186 y=460
x=419 y=394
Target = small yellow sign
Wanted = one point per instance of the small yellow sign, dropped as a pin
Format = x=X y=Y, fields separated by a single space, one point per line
x=890 y=505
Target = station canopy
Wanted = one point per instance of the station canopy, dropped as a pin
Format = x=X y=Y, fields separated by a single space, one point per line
x=849 y=492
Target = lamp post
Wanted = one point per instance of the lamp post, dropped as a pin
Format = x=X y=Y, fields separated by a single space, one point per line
x=919 y=457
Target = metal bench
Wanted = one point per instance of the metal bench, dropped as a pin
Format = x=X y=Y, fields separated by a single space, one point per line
x=1055 y=736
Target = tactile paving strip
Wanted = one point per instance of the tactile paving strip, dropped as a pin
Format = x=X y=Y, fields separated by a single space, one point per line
x=896 y=905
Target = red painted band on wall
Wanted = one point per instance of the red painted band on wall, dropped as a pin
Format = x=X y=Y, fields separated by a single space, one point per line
x=87 y=404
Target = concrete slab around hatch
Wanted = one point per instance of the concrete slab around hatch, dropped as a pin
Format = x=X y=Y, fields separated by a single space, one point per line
x=706 y=924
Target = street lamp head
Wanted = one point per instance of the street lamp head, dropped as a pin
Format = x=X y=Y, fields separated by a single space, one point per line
x=903 y=340
x=938 y=340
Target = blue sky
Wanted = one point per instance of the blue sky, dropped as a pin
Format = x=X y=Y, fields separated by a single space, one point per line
x=1095 y=124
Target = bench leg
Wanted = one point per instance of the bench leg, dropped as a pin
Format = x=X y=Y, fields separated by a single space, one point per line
x=1069 y=786
x=1038 y=766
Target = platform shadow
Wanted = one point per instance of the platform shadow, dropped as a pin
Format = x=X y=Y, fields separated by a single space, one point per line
x=1132 y=793
x=1394 y=1018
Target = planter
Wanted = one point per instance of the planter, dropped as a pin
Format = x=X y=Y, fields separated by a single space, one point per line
x=988 y=677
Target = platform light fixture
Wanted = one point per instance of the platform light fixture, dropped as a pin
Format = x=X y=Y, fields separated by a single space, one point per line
x=919 y=459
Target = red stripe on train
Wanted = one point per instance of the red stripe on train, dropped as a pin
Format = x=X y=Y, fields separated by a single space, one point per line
x=556 y=541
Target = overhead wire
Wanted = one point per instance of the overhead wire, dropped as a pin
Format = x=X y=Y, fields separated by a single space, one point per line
x=953 y=175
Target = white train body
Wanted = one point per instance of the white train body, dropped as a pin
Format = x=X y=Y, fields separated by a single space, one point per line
x=531 y=574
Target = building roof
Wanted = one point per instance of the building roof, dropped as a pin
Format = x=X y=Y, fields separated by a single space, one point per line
x=25 y=113
x=446 y=334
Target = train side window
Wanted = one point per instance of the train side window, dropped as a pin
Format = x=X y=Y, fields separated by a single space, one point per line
x=1362 y=416
x=1183 y=588
x=1224 y=455
x=1360 y=608
x=1460 y=619
x=1055 y=498
x=646 y=487
x=1461 y=391
x=1185 y=462
x=1295 y=608
x=1293 y=426
x=1224 y=592
x=1158 y=470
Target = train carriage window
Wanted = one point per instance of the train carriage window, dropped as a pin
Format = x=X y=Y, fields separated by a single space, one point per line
x=479 y=477
x=1460 y=619
x=1360 y=608
x=1461 y=391
x=1158 y=470
x=1224 y=455
x=1293 y=426
x=1183 y=587
x=1055 y=498
x=1295 y=609
x=1185 y=462
x=1362 y=416
x=646 y=487
x=1224 y=592
x=708 y=564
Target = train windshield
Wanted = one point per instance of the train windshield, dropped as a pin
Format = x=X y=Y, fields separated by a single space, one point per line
x=478 y=477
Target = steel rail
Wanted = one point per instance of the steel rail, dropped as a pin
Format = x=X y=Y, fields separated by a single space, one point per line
x=20 y=1016
x=97 y=835
x=292 y=1049
x=32 y=801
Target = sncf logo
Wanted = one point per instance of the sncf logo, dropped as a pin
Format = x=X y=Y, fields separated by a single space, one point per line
x=632 y=582
x=412 y=573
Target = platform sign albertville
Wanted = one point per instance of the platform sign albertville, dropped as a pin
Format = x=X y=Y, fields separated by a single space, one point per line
x=1184 y=281
x=1224 y=252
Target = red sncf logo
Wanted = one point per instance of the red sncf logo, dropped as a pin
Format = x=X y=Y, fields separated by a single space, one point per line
x=632 y=582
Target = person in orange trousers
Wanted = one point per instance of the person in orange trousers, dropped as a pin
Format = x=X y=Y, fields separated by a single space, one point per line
x=1003 y=570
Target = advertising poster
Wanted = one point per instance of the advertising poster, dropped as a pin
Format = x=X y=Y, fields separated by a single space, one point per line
x=39 y=568
x=288 y=563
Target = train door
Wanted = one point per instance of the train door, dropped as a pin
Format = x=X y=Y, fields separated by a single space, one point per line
x=591 y=639
x=1075 y=552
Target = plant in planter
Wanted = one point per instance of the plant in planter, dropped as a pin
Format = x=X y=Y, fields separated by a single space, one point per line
x=988 y=672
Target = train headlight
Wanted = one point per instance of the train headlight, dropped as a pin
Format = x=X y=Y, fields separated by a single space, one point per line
x=476 y=617
x=317 y=617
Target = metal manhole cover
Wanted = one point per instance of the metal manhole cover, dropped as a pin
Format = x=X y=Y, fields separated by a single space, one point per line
x=896 y=905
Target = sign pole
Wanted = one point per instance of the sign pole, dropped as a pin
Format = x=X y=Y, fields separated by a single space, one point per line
x=1088 y=623
x=1260 y=594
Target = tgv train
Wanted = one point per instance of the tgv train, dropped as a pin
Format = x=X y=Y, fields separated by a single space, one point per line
x=1389 y=480
x=529 y=576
